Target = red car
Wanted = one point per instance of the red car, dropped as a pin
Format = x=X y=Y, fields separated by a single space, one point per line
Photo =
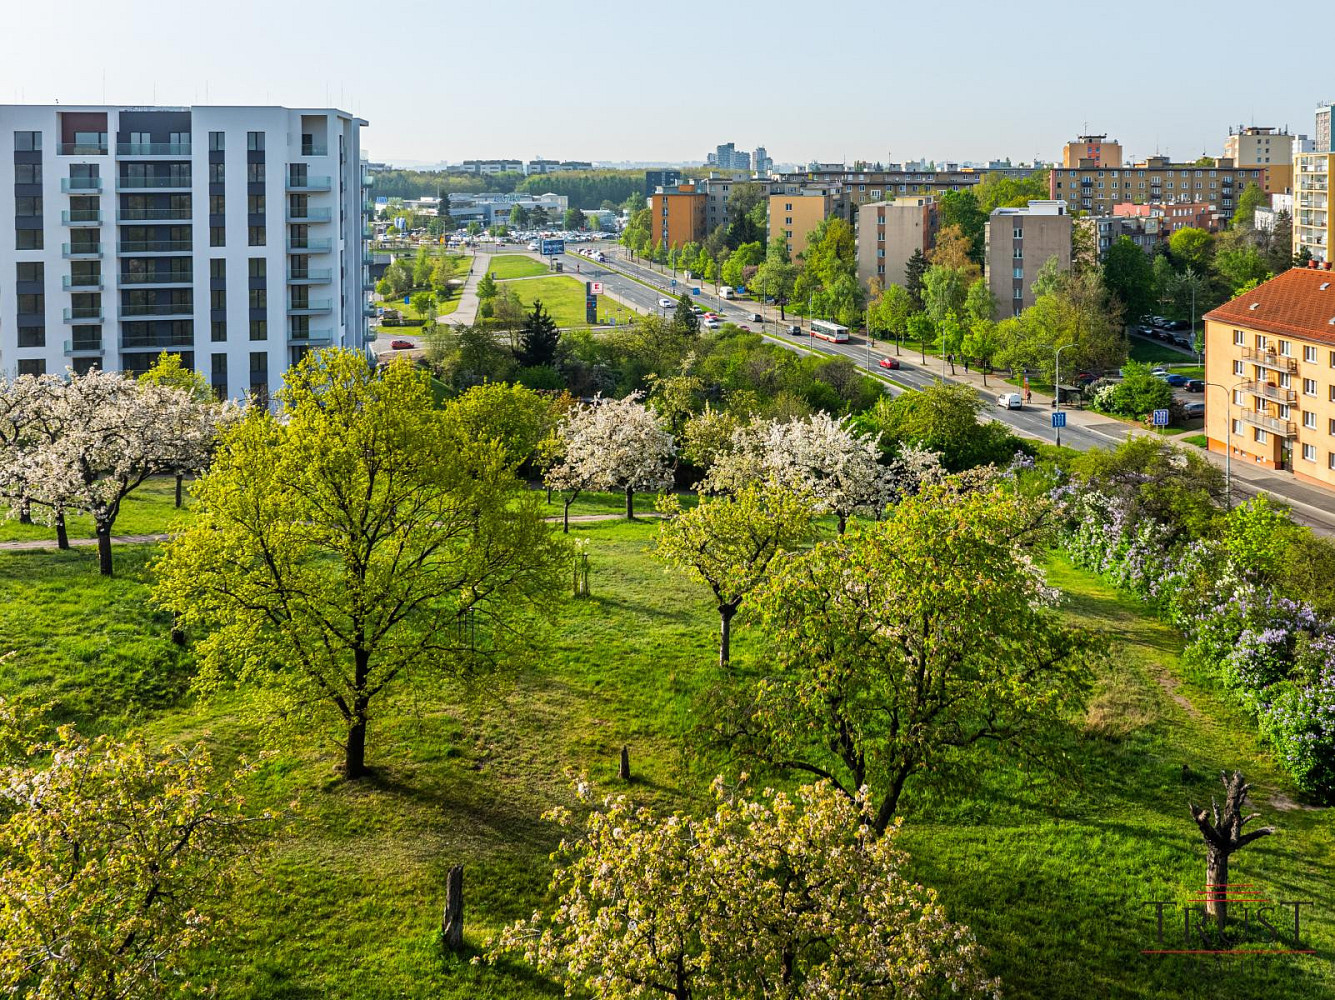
x=401 y=345
x=891 y=363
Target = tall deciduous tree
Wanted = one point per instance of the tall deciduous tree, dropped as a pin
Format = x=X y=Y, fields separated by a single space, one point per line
x=729 y=542
x=771 y=898
x=1129 y=275
x=356 y=545
x=954 y=250
x=900 y=646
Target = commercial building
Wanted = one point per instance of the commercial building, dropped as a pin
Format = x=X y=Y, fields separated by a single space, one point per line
x=1311 y=197
x=655 y=179
x=728 y=157
x=555 y=166
x=761 y=162
x=141 y=230
x=677 y=215
x=1272 y=353
x=1017 y=243
x=494 y=208
x=889 y=232
x=487 y=167
x=794 y=216
x=1270 y=149
x=1321 y=138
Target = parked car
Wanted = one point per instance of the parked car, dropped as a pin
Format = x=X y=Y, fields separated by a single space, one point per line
x=757 y=318
x=1145 y=330
x=712 y=324
x=1194 y=409
x=1011 y=401
x=743 y=326
x=794 y=330
x=1195 y=385
x=1157 y=372
x=1176 y=381
x=401 y=345
x=890 y=363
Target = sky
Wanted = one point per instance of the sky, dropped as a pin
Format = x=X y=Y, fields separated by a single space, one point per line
x=444 y=81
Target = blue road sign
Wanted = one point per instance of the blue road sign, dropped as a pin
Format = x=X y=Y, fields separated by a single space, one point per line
x=1059 y=419
x=407 y=300
x=553 y=246
x=695 y=291
x=674 y=282
x=1160 y=418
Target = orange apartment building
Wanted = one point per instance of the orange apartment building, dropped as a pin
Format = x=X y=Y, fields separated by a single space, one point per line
x=677 y=215
x=1270 y=362
x=794 y=216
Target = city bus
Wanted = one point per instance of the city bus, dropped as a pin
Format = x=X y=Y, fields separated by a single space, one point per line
x=826 y=330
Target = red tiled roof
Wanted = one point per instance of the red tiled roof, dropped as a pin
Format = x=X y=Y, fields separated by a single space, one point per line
x=1293 y=303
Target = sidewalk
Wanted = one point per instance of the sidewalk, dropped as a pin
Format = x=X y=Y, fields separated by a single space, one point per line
x=465 y=313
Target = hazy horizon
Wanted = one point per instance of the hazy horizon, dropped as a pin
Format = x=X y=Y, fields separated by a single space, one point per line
x=618 y=84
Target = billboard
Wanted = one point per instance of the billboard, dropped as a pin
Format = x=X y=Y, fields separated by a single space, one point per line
x=553 y=247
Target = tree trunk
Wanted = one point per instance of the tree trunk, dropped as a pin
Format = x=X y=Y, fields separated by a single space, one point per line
x=725 y=615
x=452 y=920
x=630 y=503
x=1216 y=885
x=104 y=549
x=843 y=523
x=179 y=476
x=565 y=517
x=623 y=767
x=62 y=536
x=25 y=513
x=354 y=755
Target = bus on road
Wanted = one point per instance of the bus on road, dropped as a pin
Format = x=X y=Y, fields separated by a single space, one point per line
x=826 y=330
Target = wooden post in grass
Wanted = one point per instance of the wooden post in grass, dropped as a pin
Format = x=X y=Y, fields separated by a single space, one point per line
x=623 y=769
x=1223 y=836
x=452 y=920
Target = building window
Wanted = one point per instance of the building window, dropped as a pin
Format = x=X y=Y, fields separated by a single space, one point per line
x=218 y=331
x=1238 y=399
x=255 y=175
x=1309 y=452
x=32 y=336
x=217 y=173
x=32 y=366
x=218 y=268
x=1237 y=427
x=255 y=236
x=1309 y=387
x=255 y=204
x=1285 y=379
x=259 y=330
x=217 y=204
x=1019 y=233
x=1260 y=435
x=217 y=236
x=28 y=239
x=1309 y=354
x=29 y=270
x=259 y=298
x=1238 y=337
x=1309 y=420
x=1017 y=272
x=27 y=142
x=1237 y=368
x=255 y=141
x=258 y=267
x=1285 y=349
x=27 y=173
x=1017 y=254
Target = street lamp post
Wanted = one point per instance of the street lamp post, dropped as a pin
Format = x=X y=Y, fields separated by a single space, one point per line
x=1057 y=378
x=1228 y=436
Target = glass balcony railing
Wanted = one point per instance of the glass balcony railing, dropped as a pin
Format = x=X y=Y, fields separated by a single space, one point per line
x=134 y=342
x=154 y=215
x=82 y=148
x=69 y=250
x=310 y=307
x=309 y=215
x=81 y=282
x=307 y=182
x=314 y=149
x=157 y=181
x=152 y=149
x=157 y=309
x=83 y=314
x=155 y=246
x=83 y=347
x=157 y=278
x=81 y=217
x=309 y=246
x=80 y=185
x=311 y=275
x=315 y=337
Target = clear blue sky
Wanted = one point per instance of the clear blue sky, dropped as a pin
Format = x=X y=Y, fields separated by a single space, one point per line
x=852 y=79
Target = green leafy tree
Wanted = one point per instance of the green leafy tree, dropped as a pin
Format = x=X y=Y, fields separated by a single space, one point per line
x=900 y=647
x=890 y=312
x=960 y=209
x=981 y=341
x=923 y=330
x=1137 y=393
x=1191 y=248
x=425 y=305
x=684 y=318
x=1130 y=277
x=943 y=417
x=355 y=546
x=1245 y=206
x=913 y=275
x=539 y=339
x=573 y=219
x=943 y=292
x=979 y=302
x=1241 y=267
x=729 y=543
x=518 y=216
x=421 y=268
x=486 y=286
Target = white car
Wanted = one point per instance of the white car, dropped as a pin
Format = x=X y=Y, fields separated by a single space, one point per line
x=665 y=303
x=712 y=324
x=1011 y=401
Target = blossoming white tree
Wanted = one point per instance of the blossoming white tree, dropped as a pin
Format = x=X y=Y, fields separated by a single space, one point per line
x=824 y=458
x=614 y=444
x=771 y=897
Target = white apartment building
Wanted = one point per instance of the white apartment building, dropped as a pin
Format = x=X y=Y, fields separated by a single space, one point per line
x=233 y=236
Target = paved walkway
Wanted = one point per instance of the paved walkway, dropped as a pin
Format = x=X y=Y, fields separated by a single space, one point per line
x=465 y=313
x=80 y=543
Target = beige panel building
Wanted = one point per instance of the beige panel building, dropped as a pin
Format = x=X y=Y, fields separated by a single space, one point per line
x=1270 y=356
x=795 y=215
x=1094 y=150
x=1270 y=149
x=1019 y=241
x=889 y=232
x=1311 y=196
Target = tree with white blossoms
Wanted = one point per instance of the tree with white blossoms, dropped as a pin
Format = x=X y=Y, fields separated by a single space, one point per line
x=613 y=444
x=24 y=427
x=730 y=541
x=770 y=897
x=113 y=860
x=820 y=456
x=105 y=435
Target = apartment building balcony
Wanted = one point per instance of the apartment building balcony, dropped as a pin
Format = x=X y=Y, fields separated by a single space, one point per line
x=80 y=185
x=155 y=246
x=154 y=215
x=132 y=149
x=162 y=183
x=82 y=148
x=311 y=307
x=1284 y=428
x=1269 y=390
x=310 y=276
x=73 y=347
x=81 y=217
x=158 y=310
x=368 y=310
x=308 y=183
x=314 y=149
x=135 y=342
x=81 y=251
x=155 y=279
x=310 y=215
x=1269 y=359
x=309 y=246
x=81 y=282
x=83 y=314
x=322 y=337
x=368 y=257
x=367 y=179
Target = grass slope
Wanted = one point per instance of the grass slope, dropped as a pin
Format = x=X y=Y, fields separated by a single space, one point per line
x=515 y=265
x=564 y=299
x=347 y=904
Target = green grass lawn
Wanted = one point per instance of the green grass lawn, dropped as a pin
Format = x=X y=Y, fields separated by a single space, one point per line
x=148 y=510
x=1152 y=352
x=563 y=297
x=516 y=265
x=1051 y=877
